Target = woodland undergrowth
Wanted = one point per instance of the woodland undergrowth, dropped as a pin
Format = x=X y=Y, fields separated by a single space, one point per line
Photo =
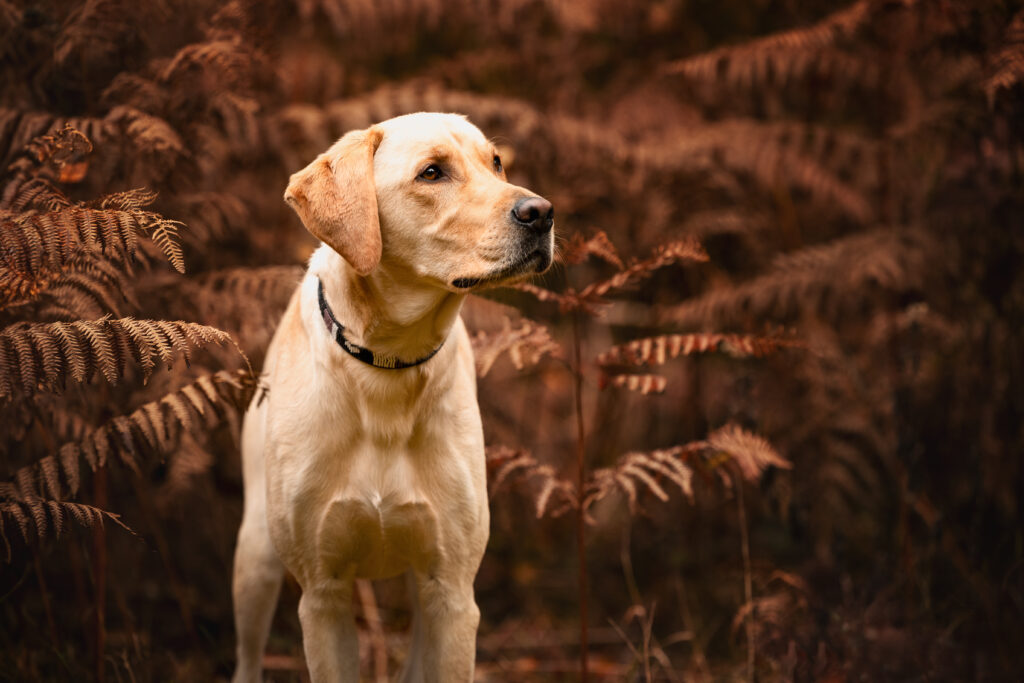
x=767 y=394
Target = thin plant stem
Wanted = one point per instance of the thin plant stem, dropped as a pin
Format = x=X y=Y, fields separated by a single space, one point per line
x=748 y=588
x=581 y=472
x=44 y=593
x=99 y=547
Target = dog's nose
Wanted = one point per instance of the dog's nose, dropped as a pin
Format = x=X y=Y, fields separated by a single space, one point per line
x=535 y=213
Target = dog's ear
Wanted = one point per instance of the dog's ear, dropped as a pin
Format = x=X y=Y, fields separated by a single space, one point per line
x=336 y=198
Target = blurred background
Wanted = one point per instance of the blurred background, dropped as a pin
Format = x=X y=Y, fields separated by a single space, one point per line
x=771 y=387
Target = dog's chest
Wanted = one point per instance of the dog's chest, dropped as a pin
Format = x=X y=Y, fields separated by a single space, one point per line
x=369 y=499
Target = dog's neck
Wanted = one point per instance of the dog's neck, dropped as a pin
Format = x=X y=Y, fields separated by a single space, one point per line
x=388 y=311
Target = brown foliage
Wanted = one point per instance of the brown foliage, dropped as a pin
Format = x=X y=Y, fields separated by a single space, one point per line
x=42 y=356
x=851 y=174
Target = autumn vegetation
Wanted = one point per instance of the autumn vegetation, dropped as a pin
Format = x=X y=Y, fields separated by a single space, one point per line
x=762 y=421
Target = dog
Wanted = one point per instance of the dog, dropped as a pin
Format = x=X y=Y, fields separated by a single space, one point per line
x=365 y=459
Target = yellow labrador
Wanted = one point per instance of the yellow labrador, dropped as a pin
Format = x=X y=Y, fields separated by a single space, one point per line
x=366 y=458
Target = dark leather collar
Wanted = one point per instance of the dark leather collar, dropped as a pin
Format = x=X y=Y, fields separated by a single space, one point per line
x=337 y=332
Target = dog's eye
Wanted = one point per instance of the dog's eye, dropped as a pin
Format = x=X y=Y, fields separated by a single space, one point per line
x=497 y=164
x=432 y=172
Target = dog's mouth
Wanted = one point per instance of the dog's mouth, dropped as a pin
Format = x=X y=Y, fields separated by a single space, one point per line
x=536 y=261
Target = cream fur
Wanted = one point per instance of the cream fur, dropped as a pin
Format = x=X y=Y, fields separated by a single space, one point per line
x=358 y=472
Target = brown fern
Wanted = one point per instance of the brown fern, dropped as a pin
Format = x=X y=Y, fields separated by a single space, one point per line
x=525 y=345
x=815 y=278
x=750 y=453
x=42 y=356
x=746 y=61
x=554 y=495
x=636 y=473
x=153 y=428
x=592 y=296
x=1007 y=67
x=644 y=384
x=599 y=245
x=35 y=248
x=660 y=349
x=36 y=516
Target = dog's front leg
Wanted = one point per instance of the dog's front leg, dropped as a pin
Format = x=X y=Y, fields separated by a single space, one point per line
x=329 y=632
x=448 y=619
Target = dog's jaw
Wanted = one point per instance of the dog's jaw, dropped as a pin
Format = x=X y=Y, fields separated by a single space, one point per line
x=535 y=262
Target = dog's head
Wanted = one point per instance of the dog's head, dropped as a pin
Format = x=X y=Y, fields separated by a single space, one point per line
x=425 y=193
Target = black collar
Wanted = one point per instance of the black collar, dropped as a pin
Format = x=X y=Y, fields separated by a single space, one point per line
x=337 y=331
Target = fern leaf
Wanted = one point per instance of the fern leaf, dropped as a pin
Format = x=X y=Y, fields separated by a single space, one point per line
x=751 y=453
x=816 y=278
x=664 y=255
x=746 y=61
x=599 y=245
x=25 y=194
x=34 y=515
x=553 y=495
x=1008 y=65
x=724 y=221
x=77 y=349
x=784 y=154
x=658 y=350
x=644 y=384
x=637 y=472
x=152 y=427
x=35 y=247
x=524 y=345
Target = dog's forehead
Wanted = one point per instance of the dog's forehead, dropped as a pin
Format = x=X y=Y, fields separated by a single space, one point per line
x=429 y=129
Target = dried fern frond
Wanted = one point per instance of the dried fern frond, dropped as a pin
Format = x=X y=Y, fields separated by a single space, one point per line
x=264 y=284
x=35 y=516
x=750 y=453
x=638 y=472
x=25 y=194
x=153 y=428
x=635 y=473
x=753 y=60
x=525 y=345
x=93 y=32
x=64 y=146
x=591 y=296
x=150 y=135
x=784 y=154
x=213 y=215
x=25 y=126
x=42 y=356
x=667 y=254
x=644 y=384
x=229 y=62
x=724 y=221
x=247 y=301
x=1007 y=67
x=599 y=245
x=552 y=494
x=136 y=91
x=566 y=301
x=188 y=464
x=815 y=278
x=35 y=248
x=88 y=289
x=658 y=350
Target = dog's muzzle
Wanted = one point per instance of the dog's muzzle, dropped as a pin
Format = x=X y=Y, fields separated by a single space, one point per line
x=535 y=218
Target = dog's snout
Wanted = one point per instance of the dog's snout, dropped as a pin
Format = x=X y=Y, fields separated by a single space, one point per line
x=535 y=213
